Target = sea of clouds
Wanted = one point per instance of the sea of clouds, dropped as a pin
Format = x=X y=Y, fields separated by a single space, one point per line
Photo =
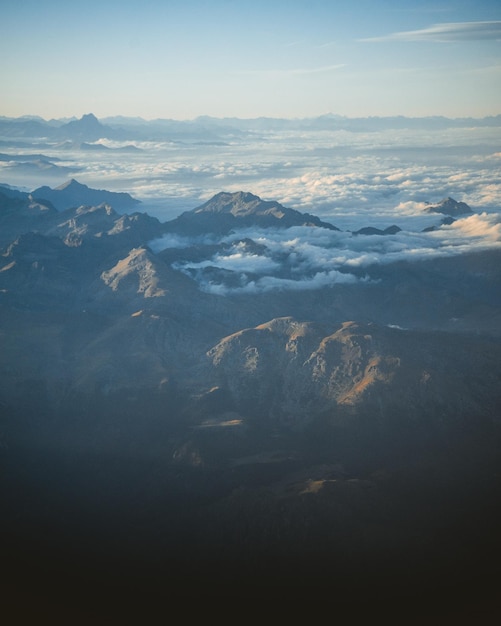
x=305 y=257
x=351 y=179
x=340 y=175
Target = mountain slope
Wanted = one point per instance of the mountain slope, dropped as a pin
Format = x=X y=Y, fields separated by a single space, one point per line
x=20 y=213
x=74 y=194
x=226 y=211
x=295 y=372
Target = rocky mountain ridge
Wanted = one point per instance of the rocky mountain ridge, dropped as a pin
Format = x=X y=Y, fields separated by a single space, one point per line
x=227 y=211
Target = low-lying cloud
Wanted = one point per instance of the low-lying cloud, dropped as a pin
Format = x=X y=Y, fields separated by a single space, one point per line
x=302 y=258
x=351 y=179
x=483 y=228
x=275 y=283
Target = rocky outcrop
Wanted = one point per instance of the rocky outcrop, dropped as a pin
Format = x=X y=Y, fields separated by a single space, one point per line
x=294 y=372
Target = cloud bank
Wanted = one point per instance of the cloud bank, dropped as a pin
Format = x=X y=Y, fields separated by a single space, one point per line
x=351 y=179
x=303 y=258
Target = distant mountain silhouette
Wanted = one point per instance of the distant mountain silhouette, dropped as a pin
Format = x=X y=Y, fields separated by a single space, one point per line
x=87 y=128
x=213 y=130
x=74 y=194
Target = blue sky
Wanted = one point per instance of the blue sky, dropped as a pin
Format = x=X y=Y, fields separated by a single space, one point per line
x=182 y=59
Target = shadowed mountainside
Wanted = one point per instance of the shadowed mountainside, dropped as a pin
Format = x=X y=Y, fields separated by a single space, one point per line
x=74 y=194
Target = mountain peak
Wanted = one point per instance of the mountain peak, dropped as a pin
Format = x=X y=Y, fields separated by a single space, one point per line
x=88 y=120
x=88 y=128
x=89 y=117
x=449 y=206
x=71 y=185
x=237 y=203
x=228 y=210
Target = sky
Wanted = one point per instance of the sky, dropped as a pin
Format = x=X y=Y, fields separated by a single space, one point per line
x=228 y=58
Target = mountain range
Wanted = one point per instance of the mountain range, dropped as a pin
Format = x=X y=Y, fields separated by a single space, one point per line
x=209 y=129
x=277 y=437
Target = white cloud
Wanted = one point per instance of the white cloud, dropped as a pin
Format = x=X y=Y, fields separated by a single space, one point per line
x=274 y=283
x=351 y=179
x=446 y=32
x=484 y=227
x=303 y=258
x=236 y=262
x=171 y=240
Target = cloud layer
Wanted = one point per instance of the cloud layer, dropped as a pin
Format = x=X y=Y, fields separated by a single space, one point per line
x=351 y=179
x=301 y=258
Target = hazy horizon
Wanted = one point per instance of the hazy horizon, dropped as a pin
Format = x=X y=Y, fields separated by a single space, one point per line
x=115 y=119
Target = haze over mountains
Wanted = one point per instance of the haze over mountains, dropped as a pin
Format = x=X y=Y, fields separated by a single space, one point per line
x=280 y=398
x=89 y=128
x=337 y=171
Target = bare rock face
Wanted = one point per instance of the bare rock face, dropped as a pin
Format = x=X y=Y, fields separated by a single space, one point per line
x=138 y=273
x=264 y=367
x=349 y=363
x=298 y=371
x=293 y=372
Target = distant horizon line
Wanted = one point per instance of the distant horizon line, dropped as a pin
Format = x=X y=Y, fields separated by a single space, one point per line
x=258 y=117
